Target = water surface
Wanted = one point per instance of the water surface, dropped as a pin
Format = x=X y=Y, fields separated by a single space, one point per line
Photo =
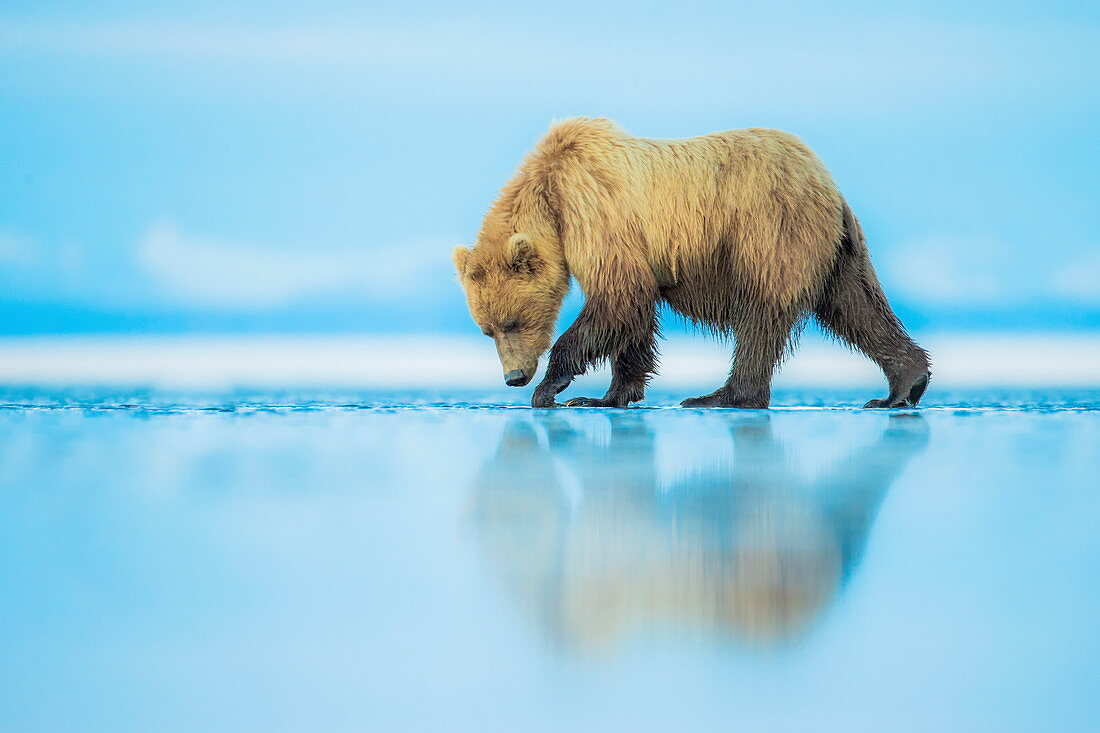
x=430 y=562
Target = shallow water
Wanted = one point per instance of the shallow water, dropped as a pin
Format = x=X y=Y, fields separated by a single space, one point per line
x=406 y=561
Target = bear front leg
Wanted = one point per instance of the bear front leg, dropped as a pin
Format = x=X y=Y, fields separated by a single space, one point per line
x=563 y=365
x=549 y=388
x=595 y=336
x=631 y=370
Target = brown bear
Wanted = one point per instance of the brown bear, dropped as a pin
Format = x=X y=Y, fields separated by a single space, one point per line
x=743 y=232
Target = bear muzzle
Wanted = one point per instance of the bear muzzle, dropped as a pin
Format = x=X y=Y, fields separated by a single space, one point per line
x=516 y=378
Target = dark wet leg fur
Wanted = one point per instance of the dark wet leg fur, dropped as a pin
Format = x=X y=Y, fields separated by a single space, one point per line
x=631 y=346
x=631 y=371
x=854 y=308
x=761 y=344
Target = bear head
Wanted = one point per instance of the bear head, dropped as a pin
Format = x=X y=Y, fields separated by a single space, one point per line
x=514 y=290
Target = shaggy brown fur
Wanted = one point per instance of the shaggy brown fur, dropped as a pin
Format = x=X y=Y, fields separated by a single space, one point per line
x=743 y=232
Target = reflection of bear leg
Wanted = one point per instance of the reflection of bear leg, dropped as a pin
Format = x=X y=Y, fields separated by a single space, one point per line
x=854 y=308
x=762 y=341
x=853 y=489
x=630 y=372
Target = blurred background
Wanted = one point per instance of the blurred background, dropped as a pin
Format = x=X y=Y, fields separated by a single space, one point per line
x=267 y=171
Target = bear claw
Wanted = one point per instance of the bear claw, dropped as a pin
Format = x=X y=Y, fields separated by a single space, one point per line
x=591 y=402
x=585 y=402
x=888 y=403
x=722 y=399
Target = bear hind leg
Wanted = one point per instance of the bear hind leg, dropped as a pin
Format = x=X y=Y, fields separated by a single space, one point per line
x=855 y=309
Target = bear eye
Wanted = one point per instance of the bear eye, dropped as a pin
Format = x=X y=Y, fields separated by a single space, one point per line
x=510 y=326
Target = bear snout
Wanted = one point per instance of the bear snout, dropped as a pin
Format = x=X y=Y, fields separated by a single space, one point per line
x=516 y=378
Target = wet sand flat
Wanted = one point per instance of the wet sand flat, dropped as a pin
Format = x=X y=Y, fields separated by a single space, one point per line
x=432 y=562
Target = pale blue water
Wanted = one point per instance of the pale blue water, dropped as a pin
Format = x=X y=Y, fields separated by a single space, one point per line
x=408 y=562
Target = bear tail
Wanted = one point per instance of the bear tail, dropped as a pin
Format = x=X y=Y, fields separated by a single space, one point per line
x=852 y=240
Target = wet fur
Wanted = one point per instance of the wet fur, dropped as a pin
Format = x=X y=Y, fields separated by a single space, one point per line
x=743 y=232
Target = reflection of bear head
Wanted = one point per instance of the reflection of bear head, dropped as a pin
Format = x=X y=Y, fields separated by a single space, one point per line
x=514 y=289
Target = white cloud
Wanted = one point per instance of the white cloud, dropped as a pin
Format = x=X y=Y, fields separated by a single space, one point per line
x=17 y=250
x=207 y=271
x=194 y=42
x=834 y=61
x=982 y=271
x=958 y=271
x=1078 y=280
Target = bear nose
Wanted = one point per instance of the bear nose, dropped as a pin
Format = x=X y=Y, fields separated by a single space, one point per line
x=515 y=378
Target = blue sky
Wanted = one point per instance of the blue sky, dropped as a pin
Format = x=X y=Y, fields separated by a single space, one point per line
x=255 y=167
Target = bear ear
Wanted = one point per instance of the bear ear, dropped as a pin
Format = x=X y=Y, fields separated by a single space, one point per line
x=523 y=256
x=461 y=258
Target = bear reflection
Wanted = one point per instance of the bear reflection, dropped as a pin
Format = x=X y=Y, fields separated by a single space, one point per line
x=580 y=533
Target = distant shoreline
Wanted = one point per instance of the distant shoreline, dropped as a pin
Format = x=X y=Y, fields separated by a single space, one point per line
x=430 y=361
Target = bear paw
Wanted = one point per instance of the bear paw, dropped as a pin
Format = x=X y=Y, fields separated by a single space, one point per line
x=549 y=389
x=591 y=402
x=894 y=401
x=544 y=401
x=725 y=399
x=888 y=403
